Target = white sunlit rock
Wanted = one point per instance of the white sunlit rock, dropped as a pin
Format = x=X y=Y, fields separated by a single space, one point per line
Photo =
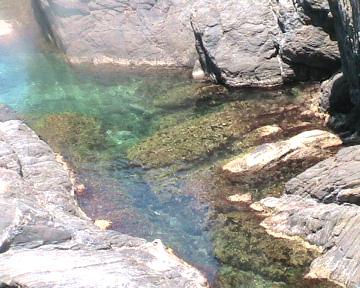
x=5 y=28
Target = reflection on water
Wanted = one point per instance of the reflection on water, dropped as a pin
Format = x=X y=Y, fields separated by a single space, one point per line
x=94 y=116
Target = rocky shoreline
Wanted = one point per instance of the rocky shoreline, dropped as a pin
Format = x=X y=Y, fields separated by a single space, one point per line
x=239 y=44
x=321 y=206
x=45 y=238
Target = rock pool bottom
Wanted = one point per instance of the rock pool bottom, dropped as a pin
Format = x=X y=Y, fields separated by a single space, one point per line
x=183 y=204
x=146 y=146
x=109 y=124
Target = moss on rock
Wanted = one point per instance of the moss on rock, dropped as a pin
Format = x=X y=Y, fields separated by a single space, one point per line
x=76 y=133
x=240 y=243
x=185 y=142
x=226 y=128
x=188 y=95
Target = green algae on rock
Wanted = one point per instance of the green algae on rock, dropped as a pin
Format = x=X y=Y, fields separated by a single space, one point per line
x=187 y=95
x=81 y=134
x=187 y=141
x=242 y=245
x=224 y=128
x=195 y=138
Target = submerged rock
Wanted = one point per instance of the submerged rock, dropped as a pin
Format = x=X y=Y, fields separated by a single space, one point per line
x=267 y=131
x=318 y=211
x=233 y=127
x=331 y=227
x=78 y=133
x=46 y=240
x=241 y=198
x=308 y=146
x=244 y=247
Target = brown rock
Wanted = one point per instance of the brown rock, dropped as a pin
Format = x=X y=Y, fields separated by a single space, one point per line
x=310 y=145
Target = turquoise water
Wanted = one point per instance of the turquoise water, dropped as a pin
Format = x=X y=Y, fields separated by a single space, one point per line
x=93 y=116
x=119 y=107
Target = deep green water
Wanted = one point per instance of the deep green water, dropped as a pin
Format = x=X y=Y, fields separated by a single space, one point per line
x=93 y=116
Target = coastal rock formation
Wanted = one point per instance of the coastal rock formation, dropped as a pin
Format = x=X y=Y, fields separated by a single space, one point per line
x=121 y=32
x=239 y=43
x=341 y=93
x=309 y=146
x=347 y=25
x=335 y=180
x=335 y=95
x=316 y=209
x=254 y=43
x=236 y=42
x=46 y=241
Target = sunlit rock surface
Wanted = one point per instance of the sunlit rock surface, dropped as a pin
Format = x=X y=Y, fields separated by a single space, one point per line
x=336 y=179
x=45 y=239
x=270 y=156
x=5 y=28
x=239 y=43
x=262 y=43
x=122 y=32
x=318 y=210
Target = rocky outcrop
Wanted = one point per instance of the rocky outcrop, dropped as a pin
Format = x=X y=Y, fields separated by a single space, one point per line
x=347 y=23
x=254 y=43
x=309 y=146
x=235 y=41
x=239 y=43
x=121 y=32
x=334 y=96
x=316 y=209
x=331 y=227
x=46 y=241
x=335 y=180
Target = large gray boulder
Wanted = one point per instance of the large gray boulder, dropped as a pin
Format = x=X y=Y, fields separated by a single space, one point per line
x=121 y=32
x=255 y=43
x=236 y=42
x=261 y=43
x=46 y=240
x=347 y=23
x=334 y=95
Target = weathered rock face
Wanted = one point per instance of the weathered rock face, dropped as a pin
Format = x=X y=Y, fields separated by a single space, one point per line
x=257 y=43
x=46 y=241
x=317 y=13
x=336 y=180
x=331 y=227
x=335 y=95
x=235 y=41
x=309 y=146
x=318 y=211
x=122 y=32
x=239 y=43
x=347 y=23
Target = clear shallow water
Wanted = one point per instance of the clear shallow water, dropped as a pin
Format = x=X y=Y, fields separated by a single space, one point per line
x=94 y=116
